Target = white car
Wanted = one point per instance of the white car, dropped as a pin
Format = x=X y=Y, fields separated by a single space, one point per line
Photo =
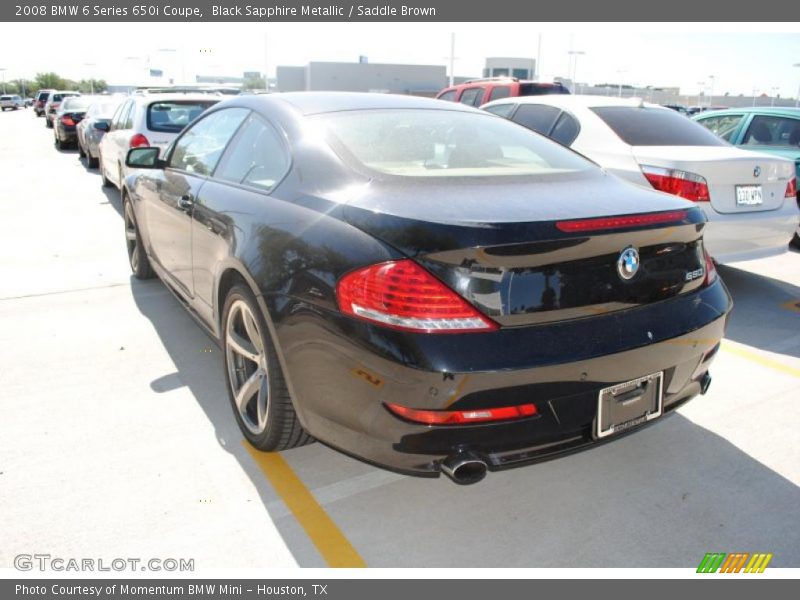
x=146 y=120
x=11 y=102
x=748 y=197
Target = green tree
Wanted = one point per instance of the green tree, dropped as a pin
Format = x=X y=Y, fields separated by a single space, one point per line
x=49 y=81
x=254 y=83
x=86 y=86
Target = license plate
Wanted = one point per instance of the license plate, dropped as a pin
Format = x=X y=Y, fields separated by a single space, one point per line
x=629 y=404
x=749 y=195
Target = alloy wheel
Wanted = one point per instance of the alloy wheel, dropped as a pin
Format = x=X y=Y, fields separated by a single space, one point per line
x=131 y=237
x=246 y=361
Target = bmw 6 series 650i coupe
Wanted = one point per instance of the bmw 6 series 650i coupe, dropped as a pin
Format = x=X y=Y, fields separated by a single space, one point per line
x=422 y=285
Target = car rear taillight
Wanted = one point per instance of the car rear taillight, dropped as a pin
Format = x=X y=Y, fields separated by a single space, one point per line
x=680 y=183
x=791 y=188
x=138 y=141
x=402 y=295
x=711 y=270
x=461 y=417
x=67 y=120
x=622 y=222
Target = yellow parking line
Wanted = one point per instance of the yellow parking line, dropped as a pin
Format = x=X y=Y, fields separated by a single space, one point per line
x=761 y=360
x=326 y=536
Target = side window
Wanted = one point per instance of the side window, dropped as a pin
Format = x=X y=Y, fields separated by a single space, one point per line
x=499 y=91
x=773 y=131
x=566 y=129
x=501 y=110
x=256 y=156
x=449 y=96
x=472 y=96
x=724 y=126
x=119 y=115
x=127 y=122
x=538 y=117
x=198 y=150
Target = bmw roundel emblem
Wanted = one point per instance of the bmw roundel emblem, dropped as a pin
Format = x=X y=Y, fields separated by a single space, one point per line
x=757 y=172
x=628 y=263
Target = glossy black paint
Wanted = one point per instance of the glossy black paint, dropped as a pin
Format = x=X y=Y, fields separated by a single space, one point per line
x=569 y=326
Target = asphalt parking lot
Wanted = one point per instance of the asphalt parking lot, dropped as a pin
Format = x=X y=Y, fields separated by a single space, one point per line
x=117 y=439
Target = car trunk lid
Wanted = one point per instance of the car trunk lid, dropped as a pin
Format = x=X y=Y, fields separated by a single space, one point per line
x=738 y=181
x=554 y=261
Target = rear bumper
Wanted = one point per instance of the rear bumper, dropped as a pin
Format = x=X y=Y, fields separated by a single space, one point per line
x=749 y=236
x=342 y=373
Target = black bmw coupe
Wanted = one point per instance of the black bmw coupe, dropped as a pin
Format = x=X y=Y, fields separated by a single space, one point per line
x=423 y=285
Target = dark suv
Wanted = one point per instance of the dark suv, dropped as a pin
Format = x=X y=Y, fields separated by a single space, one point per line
x=477 y=92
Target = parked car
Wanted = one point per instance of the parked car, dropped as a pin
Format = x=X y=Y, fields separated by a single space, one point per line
x=770 y=130
x=749 y=198
x=480 y=91
x=422 y=285
x=40 y=101
x=146 y=120
x=11 y=103
x=28 y=102
x=69 y=113
x=680 y=108
x=100 y=111
x=54 y=99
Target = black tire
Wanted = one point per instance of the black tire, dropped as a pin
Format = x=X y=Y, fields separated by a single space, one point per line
x=91 y=161
x=795 y=241
x=47 y=123
x=59 y=144
x=282 y=429
x=137 y=256
x=81 y=151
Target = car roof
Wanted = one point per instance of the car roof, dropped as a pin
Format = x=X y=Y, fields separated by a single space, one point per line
x=309 y=103
x=761 y=110
x=176 y=97
x=572 y=101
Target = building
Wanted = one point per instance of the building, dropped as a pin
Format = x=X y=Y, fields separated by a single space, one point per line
x=424 y=80
x=521 y=68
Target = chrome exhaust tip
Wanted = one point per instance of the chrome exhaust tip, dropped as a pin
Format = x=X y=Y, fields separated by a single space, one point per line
x=464 y=468
x=705 y=383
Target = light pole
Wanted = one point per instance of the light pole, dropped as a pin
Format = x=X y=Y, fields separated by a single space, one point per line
x=755 y=91
x=619 y=84
x=702 y=91
x=91 y=75
x=711 y=93
x=3 y=70
x=772 y=91
x=797 y=99
x=573 y=55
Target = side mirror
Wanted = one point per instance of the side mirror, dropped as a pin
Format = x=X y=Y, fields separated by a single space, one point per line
x=144 y=158
x=101 y=126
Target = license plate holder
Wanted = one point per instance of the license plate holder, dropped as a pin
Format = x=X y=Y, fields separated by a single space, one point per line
x=628 y=404
x=749 y=195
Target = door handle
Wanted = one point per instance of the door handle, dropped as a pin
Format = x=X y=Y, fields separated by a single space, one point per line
x=186 y=201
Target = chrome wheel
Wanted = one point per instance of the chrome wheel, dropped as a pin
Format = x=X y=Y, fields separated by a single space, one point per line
x=131 y=238
x=246 y=361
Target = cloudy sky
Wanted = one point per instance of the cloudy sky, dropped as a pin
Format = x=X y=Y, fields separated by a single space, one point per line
x=740 y=57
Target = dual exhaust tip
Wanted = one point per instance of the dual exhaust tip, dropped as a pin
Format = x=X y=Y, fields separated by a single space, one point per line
x=464 y=468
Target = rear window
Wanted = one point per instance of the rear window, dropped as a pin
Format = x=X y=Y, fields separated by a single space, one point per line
x=655 y=127
x=541 y=89
x=43 y=95
x=76 y=103
x=5 y=98
x=442 y=143
x=60 y=97
x=173 y=116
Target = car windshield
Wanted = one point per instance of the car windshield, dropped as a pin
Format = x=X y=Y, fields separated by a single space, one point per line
x=650 y=126
x=76 y=103
x=445 y=143
x=173 y=116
